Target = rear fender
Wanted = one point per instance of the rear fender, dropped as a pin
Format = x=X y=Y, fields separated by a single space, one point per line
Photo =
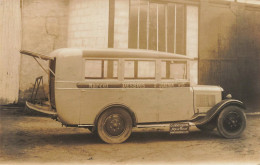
x=132 y=114
x=215 y=110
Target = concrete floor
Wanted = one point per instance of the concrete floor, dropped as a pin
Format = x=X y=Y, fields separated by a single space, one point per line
x=26 y=138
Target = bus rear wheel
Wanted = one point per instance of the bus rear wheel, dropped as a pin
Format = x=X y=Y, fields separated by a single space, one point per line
x=114 y=125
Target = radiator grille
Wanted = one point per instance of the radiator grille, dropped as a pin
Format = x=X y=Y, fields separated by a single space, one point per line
x=205 y=100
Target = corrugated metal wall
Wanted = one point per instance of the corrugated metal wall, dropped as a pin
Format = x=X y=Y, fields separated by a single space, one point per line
x=10 y=43
x=229 y=49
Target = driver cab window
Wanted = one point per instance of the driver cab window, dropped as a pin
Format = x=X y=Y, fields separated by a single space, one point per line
x=174 y=70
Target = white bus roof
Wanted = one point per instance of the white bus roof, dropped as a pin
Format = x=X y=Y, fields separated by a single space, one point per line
x=117 y=53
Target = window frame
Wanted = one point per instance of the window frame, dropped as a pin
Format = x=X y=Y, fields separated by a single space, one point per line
x=158 y=70
x=134 y=42
x=136 y=69
x=174 y=61
x=102 y=69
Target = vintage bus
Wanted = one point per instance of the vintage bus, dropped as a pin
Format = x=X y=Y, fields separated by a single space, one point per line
x=110 y=91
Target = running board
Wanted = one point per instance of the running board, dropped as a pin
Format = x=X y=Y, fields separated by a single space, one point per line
x=152 y=125
x=43 y=109
x=174 y=127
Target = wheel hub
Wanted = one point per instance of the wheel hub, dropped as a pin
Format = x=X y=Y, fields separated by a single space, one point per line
x=232 y=122
x=114 y=125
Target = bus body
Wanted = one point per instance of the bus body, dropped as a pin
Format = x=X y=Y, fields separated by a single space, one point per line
x=112 y=90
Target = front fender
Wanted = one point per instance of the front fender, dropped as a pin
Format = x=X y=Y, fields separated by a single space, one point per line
x=214 y=111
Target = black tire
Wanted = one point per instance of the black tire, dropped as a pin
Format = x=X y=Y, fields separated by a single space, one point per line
x=114 y=125
x=210 y=126
x=231 y=122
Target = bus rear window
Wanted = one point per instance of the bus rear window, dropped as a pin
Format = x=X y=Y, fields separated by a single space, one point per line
x=103 y=69
x=174 y=70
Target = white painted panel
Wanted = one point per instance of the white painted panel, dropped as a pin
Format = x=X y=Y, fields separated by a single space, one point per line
x=149 y=105
x=257 y=2
x=121 y=24
x=192 y=31
x=193 y=72
x=192 y=41
x=10 y=43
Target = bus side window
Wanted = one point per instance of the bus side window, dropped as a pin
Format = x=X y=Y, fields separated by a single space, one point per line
x=129 y=69
x=93 y=69
x=174 y=70
x=110 y=68
x=103 y=69
x=146 y=69
x=139 y=69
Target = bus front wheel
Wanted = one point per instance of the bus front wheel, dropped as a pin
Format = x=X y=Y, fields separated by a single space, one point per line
x=114 y=125
x=231 y=122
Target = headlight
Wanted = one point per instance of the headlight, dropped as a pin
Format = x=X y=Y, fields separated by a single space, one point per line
x=229 y=96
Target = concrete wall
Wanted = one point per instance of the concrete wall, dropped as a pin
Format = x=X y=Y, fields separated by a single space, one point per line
x=88 y=23
x=44 y=29
x=10 y=43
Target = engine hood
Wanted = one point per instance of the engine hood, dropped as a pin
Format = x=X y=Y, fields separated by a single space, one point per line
x=207 y=88
x=205 y=97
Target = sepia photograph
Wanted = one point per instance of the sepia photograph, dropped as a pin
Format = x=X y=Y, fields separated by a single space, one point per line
x=130 y=82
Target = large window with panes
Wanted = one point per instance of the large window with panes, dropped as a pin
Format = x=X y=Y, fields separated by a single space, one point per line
x=135 y=69
x=157 y=25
